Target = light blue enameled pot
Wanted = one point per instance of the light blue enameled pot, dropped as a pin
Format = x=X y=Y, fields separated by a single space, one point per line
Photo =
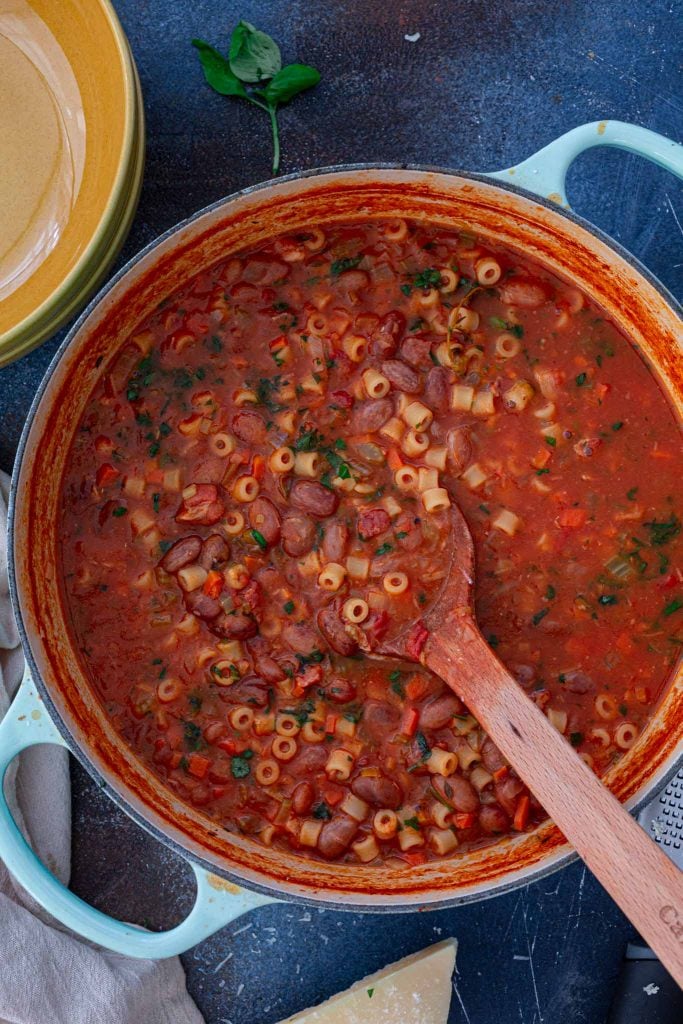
x=54 y=704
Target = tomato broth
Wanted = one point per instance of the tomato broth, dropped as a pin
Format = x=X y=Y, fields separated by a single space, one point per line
x=258 y=494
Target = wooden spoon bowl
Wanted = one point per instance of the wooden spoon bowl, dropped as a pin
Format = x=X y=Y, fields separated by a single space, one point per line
x=636 y=873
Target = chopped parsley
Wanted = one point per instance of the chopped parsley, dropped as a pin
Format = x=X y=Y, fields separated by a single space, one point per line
x=664 y=531
x=673 y=606
x=539 y=616
x=412 y=823
x=260 y=539
x=429 y=278
x=322 y=812
x=516 y=329
x=551 y=441
x=119 y=511
x=288 y=607
x=576 y=738
x=582 y=380
x=308 y=441
x=607 y=599
x=192 y=735
x=239 y=765
x=348 y=263
x=384 y=549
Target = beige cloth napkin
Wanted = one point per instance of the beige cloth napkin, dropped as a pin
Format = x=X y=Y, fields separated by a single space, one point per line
x=47 y=975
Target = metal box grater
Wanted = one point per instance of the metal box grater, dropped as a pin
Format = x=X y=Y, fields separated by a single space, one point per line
x=663 y=819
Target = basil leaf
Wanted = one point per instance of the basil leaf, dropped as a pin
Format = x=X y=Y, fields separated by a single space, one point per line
x=289 y=82
x=253 y=54
x=217 y=71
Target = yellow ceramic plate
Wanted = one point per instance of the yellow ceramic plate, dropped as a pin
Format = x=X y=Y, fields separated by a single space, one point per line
x=71 y=157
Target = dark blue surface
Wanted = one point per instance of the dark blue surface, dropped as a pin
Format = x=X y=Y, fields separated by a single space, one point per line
x=484 y=86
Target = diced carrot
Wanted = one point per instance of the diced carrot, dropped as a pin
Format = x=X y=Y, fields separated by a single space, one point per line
x=228 y=745
x=176 y=758
x=213 y=584
x=541 y=458
x=661 y=453
x=411 y=716
x=197 y=765
x=415 y=858
x=106 y=474
x=571 y=518
x=393 y=459
x=416 y=687
x=464 y=820
x=330 y=724
x=258 y=467
x=601 y=390
x=501 y=773
x=332 y=795
x=521 y=817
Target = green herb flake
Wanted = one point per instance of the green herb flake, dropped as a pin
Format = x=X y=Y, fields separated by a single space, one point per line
x=322 y=812
x=631 y=495
x=412 y=823
x=156 y=499
x=371 y=993
x=338 y=267
x=426 y=279
x=542 y=472
x=384 y=549
x=617 y=425
x=288 y=607
x=606 y=599
x=551 y=441
x=260 y=539
x=539 y=616
x=576 y=738
x=550 y=593
x=664 y=531
x=239 y=764
x=673 y=606
x=582 y=380
x=119 y=511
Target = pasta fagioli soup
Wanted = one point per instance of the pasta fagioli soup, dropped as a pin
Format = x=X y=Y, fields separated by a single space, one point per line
x=258 y=493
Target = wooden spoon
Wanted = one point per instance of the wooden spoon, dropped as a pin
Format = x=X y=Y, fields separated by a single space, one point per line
x=636 y=873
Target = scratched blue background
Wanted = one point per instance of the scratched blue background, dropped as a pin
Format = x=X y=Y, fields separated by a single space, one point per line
x=485 y=85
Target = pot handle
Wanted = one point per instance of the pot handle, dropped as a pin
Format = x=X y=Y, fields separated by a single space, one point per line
x=544 y=173
x=217 y=903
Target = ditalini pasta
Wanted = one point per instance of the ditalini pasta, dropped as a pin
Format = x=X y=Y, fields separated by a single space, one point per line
x=259 y=493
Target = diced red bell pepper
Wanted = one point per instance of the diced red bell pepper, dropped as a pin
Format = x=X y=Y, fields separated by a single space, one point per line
x=464 y=820
x=571 y=518
x=521 y=818
x=106 y=474
x=411 y=717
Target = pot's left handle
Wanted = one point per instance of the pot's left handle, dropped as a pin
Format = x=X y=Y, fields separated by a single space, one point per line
x=217 y=903
x=544 y=173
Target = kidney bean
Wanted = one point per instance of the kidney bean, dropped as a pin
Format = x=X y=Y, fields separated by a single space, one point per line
x=578 y=681
x=459 y=442
x=369 y=416
x=379 y=720
x=302 y=798
x=526 y=291
x=264 y=272
x=401 y=376
x=298 y=534
x=336 y=836
x=440 y=711
x=264 y=517
x=493 y=819
x=506 y=792
x=375 y=627
x=332 y=628
x=311 y=497
x=183 y=552
x=215 y=552
x=269 y=669
x=251 y=690
x=391 y=329
x=342 y=399
x=491 y=756
x=372 y=522
x=236 y=626
x=201 y=605
x=301 y=638
x=340 y=691
x=416 y=351
x=437 y=389
x=249 y=427
x=457 y=792
x=204 y=506
x=380 y=792
x=334 y=541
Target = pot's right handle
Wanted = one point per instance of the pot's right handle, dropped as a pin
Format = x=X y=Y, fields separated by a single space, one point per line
x=544 y=173
x=217 y=903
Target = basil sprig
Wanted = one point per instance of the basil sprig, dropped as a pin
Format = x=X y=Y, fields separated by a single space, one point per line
x=253 y=71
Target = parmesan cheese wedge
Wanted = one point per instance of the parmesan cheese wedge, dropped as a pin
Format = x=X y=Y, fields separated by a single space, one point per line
x=415 y=990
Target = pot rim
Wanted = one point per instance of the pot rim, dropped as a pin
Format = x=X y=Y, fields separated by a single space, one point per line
x=352 y=903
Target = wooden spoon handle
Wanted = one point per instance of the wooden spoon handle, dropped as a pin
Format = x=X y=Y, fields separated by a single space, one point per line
x=636 y=873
